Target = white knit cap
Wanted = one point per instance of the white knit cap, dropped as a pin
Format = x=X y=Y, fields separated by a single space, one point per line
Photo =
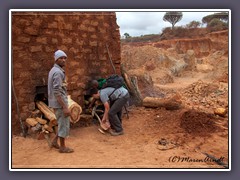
x=58 y=54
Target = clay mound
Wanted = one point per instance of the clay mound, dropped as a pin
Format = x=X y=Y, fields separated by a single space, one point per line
x=198 y=123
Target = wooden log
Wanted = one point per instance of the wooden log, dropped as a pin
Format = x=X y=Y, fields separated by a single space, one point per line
x=132 y=86
x=52 y=123
x=36 y=113
x=48 y=128
x=41 y=121
x=168 y=103
x=153 y=102
x=134 y=81
x=31 y=121
x=128 y=82
x=46 y=111
x=75 y=109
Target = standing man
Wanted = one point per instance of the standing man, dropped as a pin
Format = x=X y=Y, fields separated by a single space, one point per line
x=57 y=99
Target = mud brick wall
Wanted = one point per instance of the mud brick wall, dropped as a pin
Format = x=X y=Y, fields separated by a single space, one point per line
x=84 y=36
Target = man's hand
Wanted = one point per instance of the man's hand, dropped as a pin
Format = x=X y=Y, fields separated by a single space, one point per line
x=104 y=120
x=66 y=112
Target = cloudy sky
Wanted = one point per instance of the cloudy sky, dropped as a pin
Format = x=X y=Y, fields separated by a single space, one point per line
x=151 y=22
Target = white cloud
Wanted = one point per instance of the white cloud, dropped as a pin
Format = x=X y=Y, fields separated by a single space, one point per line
x=148 y=22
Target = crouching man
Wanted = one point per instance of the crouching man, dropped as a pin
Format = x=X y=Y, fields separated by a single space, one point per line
x=113 y=101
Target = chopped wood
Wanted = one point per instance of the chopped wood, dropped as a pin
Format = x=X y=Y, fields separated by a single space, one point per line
x=52 y=123
x=31 y=121
x=75 y=109
x=48 y=128
x=41 y=121
x=46 y=111
x=36 y=113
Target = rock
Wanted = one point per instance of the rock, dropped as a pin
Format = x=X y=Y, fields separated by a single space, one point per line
x=220 y=111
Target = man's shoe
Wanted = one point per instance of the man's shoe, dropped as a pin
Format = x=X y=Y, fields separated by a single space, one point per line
x=66 y=150
x=113 y=133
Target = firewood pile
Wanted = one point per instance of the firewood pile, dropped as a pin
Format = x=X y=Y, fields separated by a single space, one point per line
x=43 y=121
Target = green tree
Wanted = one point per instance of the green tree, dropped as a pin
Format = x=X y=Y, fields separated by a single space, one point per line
x=223 y=16
x=217 y=25
x=173 y=17
x=127 y=35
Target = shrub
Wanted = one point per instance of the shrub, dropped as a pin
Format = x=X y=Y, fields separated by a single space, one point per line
x=217 y=25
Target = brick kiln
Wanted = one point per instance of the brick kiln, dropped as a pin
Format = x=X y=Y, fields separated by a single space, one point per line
x=90 y=40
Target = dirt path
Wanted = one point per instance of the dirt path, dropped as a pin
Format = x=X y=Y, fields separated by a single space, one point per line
x=139 y=147
x=182 y=82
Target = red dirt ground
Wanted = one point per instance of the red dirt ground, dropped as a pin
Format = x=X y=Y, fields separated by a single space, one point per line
x=190 y=137
x=139 y=147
